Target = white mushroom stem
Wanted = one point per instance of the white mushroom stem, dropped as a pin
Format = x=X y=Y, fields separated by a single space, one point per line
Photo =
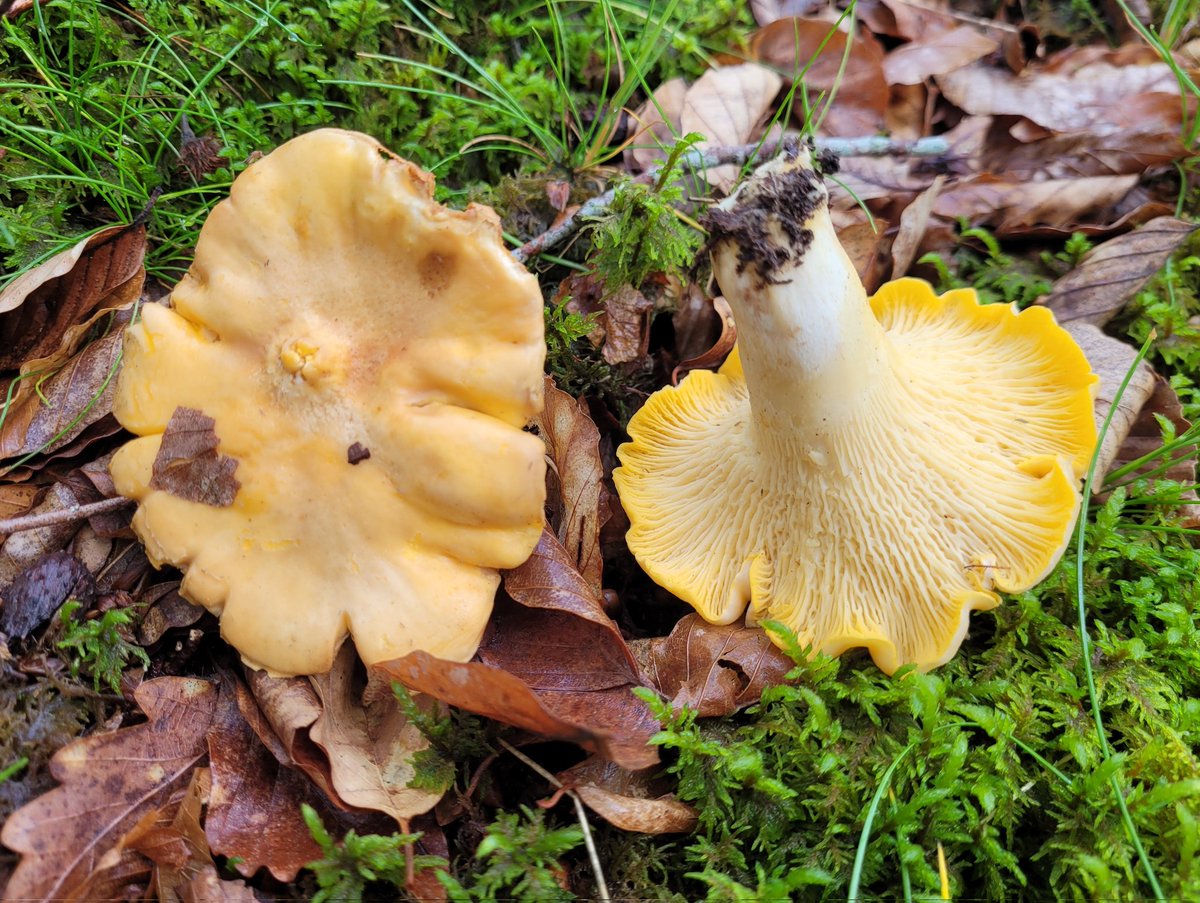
x=811 y=349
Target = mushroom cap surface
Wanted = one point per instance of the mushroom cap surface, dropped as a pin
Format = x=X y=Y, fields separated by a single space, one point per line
x=366 y=359
x=956 y=477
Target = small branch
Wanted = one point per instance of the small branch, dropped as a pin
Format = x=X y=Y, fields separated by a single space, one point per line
x=61 y=515
x=737 y=155
x=581 y=814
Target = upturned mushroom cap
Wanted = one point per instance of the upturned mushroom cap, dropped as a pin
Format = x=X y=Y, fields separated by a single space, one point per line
x=867 y=472
x=366 y=359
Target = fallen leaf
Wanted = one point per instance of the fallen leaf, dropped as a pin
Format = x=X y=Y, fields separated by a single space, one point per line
x=1111 y=360
x=727 y=106
x=207 y=887
x=908 y=20
x=864 y=238
x=936 y=54
x=109 y=782
x=576 y=499
x=714 y=355
x=630 y=800
x=657 y=125
x=173 y=839
x=913 y=223
x=165 y=610
x=67 y=403
x=1015 y=207
x=40 y=589
x=1076 y=154
x=254 y=809
x=622 y=318
x=36 y=308
x=187 y=464
x=370 y=747
x=1146 y=438
x=22 y=549
x=1113 y=272
x=1070 y=93
x=16 y=499
x=813 y=50
x=714 y=669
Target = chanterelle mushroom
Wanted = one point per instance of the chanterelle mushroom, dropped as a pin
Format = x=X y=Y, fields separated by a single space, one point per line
x=864 y=471
x=366 y=359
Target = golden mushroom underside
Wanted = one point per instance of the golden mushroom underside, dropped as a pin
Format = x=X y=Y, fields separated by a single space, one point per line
x=331 y=302
x=958 y=476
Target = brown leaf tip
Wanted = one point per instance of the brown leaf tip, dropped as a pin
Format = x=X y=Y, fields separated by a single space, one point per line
x=187 y=464
x=357 y=452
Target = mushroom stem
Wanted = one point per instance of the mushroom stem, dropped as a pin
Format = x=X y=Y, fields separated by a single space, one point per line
x=811 y=349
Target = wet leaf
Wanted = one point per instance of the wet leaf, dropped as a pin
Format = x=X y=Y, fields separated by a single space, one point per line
x=727 y=106
x=813 y=49
x=630 y=800
x=1111 y=360
x=936 y=54
x=577 y=501
x=67 y=403
x=37 y=308
x=187 y=464
x=370 y=746
x=1115 y=271
x=254 y=812
x=40 y=589
x=109 y=782
x=713 y=669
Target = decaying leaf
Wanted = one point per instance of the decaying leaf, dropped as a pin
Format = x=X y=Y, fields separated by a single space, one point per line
x=254 y=810
x=622 y=330
x=23 y=549
x=370 y=745
x=713 y=669
x=726 y=106
x=1111 y=360
x=576 y=499
x=109 y=782
x=188 y=465
x=16 y=499
x=173 y=839
x=1114 y=271
x=36 y=308
x=936 y=54
x=719 y=350
x=630 y=800
x=38 y=591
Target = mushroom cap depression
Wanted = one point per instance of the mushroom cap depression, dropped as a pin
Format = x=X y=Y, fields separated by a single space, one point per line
x=865 y=472
x=331 y=412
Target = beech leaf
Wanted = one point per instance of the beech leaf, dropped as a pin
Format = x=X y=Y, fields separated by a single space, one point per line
x=187 y=464
x=727 y=106
x=109 y=782
x=630 y=800
x=936 y=54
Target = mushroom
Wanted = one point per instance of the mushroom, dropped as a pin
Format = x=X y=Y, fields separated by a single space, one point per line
x=330 y=412
x=865 y=471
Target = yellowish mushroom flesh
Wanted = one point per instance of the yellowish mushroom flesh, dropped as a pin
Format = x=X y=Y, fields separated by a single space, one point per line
x=332 y=303
x=867 y=472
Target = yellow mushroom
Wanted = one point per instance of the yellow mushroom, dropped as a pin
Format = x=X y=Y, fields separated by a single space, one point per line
x=866 y=471
x=331 y=412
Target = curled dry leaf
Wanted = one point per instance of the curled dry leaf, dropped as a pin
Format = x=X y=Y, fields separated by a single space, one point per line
x=719 y=350
x=727 y=106
x=370 y=747
x=713 y=669
x=23 y=549
x=936 y=53
x=913 y=223
x=1111 y=273
x=173 y=839
x=1111 y=360
x=630 y=800
x=109 y=783
x=575 y=498
x=814 y=49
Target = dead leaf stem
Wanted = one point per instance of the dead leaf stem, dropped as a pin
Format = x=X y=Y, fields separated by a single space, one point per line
x=738 y=155
x=61 y=516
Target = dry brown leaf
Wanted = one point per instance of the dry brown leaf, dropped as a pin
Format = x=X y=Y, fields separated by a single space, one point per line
x=370 y=747
x=767 y=11
x=36 y=308
x=936 y=54
x=727 y=106
x=627 y=314
x=576 y=500
x=657 y=125
x=814 y=50
x=66 y=404
x=864 y=239
x=165 y=610
x=207 y=887
x=713 y=669
x=187 y=464
x=908 y=20
x=913 y=223
x=1071 y=155
x=254 y=809
x=22 y=549
x=1111 y=360
x=630 y=800
x=712 y=357
x=109 y=782
x=1015 y=207
x=16 y=499
x=1072 y=93
x=1145 y=437
x=174 y=841
x=1113 y=272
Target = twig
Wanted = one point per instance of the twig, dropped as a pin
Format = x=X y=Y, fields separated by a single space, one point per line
x=581 y=814
x=61 y=515
x=737 y=155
